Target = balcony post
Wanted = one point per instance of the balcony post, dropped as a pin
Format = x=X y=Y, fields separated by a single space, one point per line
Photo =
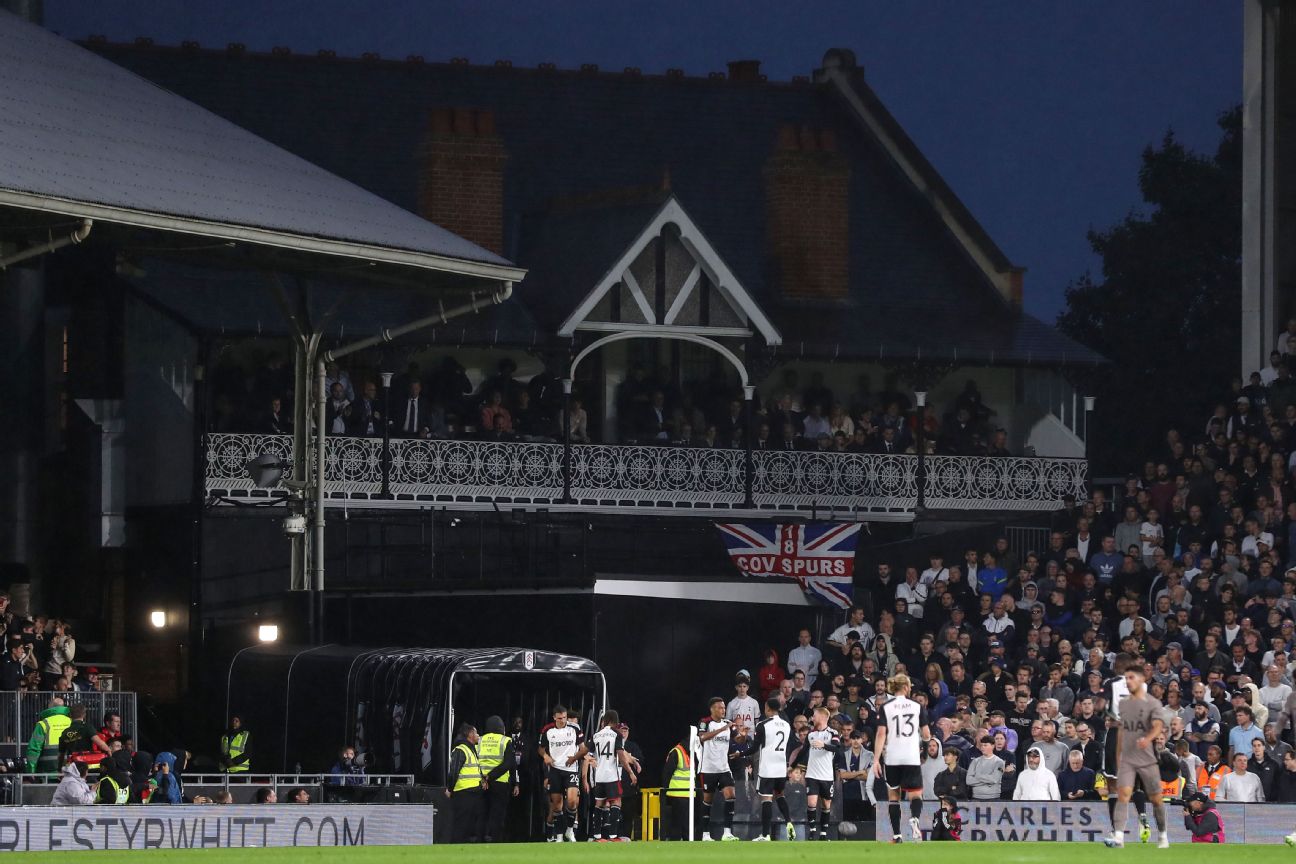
x=920 y=399
x=748 y=469
x=1088 y=412
x=567 y=447
x=386 y=429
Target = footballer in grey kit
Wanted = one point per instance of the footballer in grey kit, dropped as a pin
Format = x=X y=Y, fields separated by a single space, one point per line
x=1141 y=721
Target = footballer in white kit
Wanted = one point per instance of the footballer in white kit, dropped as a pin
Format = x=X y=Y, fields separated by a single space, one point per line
x=897 y=753
x=772 y=736
x=610 y=757
x=822 y=747
x=562 y=747
x=715 y=734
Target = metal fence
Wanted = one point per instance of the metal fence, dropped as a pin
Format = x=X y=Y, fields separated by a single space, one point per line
x=19 y=711
x=1023 y=539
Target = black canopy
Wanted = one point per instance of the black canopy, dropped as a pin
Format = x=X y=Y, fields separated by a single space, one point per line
x=397 y=706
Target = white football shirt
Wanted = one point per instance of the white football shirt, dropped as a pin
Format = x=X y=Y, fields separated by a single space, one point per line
x=715 y=752
x=607 y=747
x=904 y=719
x=819 y=762
x=562 y=744
x=772 y=735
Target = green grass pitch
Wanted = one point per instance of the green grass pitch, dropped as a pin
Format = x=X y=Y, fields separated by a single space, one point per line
x=710 y=853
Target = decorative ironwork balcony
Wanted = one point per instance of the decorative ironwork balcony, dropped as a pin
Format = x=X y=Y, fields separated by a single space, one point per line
x=685 y=479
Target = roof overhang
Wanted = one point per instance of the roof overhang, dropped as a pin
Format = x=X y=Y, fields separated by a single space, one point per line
x=260 y=236
x=84 y=138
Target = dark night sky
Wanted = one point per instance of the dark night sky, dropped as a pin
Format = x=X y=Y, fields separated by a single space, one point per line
x=1034 y=112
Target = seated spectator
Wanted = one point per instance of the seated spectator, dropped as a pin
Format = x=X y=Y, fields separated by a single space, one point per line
x=276 y=421
x=337 y=411
x=266 y=795
x=222 y=796
x=73 y=790
x=814 y=424
x=495 y=417
x=367 y=413
x=299 y=794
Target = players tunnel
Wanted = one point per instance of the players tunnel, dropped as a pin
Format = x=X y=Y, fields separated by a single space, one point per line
x=398 y=707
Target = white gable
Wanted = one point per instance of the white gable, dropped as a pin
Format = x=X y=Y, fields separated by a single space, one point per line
x=695 y=278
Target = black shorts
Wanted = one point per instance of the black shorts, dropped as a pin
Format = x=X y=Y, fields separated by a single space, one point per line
x=771 y=785
x=821 y=788
x=1110 y=743
x=603 y=791
x=713 y=782
x=560 y=781
x=906 y=777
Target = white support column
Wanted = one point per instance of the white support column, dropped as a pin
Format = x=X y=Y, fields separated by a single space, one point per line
x=1259 y=119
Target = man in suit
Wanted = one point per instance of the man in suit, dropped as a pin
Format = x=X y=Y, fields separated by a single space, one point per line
x=887 y=442
x=277 y=421
x=763 y=440
x=413 y=413
x=653 y=424
x=366 y=413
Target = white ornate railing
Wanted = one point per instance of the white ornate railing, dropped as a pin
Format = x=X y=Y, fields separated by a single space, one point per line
x=685 y=478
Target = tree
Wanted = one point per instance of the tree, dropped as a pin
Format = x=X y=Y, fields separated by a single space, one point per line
x=1167 y=311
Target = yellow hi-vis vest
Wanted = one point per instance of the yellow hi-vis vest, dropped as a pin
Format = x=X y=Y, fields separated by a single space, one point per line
x=120 y=793
x=490 y=753
x=679 y=781
x=470 y=775
x=233 y=747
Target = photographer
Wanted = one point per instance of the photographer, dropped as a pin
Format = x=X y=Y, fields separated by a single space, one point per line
x=347 y=770
x=1202 y=819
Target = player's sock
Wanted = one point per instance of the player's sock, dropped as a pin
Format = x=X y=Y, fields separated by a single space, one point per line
x=811 y=824
x=767 y=818
x=1159 y=813
x=894 y=811
x=1140 y=801
x=1111 y=810
x=612 y=828
x=569 y=819
x=915 y=808
x=824 y=816
x=783 y=809
x=706 y=817
x=597 y=819
x=729 y=813
x=1120 y=817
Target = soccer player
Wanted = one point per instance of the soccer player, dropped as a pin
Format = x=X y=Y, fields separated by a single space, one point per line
x=562 y=747
x=821 y=751
x=897 y=753
x=1140 y=724
x=714 y=733
x=1115 y=689
x=610 y=757
x=772 y=736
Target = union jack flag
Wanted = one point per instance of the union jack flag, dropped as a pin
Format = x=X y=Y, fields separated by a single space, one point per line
x=820 y=556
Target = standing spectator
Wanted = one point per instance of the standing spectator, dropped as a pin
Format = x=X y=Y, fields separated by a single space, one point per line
x=234 y=747
x=15 y=666
x=1036 y=782
x=1285 y=784
x=1241 y=786
x=1263 y=767
x=414 y=413
x=346 y=771
x=630 y=781
x=991 y=578
x=62 y=650
x=805 y=658
x=1077 y=782
x=952 y=780
x=498 y=768
x=43 y=744
x=770 y=675
x=1241 y=735
x=985 y=772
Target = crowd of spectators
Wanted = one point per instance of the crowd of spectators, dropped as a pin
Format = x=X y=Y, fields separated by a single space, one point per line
x=41 y=654
x=1190 y=571
x=650 y=408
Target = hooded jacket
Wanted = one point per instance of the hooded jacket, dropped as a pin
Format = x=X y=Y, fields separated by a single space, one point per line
x=42 y=754
x=1036 y=784
x=72 y=790
x=170 y=790
x=770 y=675
x=116 y=769
x=141 y=777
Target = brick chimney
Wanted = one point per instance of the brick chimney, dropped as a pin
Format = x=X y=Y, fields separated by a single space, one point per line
x=461 y=176
x=807 y=214
x=744 y=71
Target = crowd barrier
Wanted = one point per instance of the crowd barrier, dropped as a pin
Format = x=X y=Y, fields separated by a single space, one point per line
x=1087 y=821
x=42 y=829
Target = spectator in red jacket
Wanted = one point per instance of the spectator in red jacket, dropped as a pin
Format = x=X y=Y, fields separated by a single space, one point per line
x=770 y=675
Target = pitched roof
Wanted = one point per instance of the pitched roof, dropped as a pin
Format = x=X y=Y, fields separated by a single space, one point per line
x=84 y=137
x=921 y=270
